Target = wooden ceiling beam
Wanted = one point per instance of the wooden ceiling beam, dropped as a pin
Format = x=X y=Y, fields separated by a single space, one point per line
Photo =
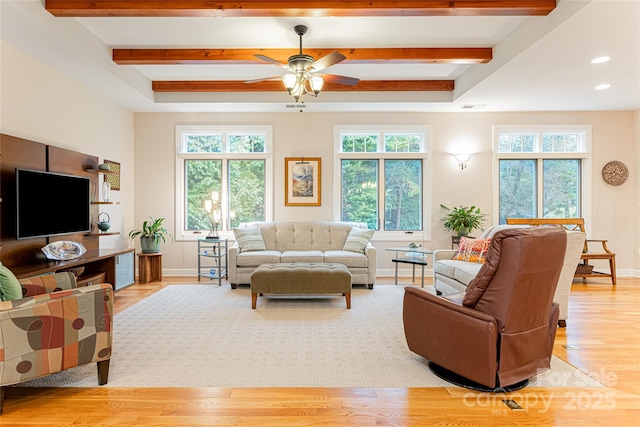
x=277 y=86
x=295 y=8
x=463 y=55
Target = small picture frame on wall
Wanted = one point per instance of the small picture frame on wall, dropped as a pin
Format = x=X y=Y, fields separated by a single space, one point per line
x=302 y=181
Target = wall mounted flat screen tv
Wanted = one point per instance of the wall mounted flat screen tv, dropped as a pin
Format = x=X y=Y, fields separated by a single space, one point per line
x=50 y=204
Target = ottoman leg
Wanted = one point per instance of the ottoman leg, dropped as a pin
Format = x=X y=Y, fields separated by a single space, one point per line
x=254 y=300
x=347 y=297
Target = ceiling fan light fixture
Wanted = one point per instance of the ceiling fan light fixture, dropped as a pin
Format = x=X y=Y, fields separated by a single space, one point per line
x=316 y=83
x=289 y=81
x=300 y=78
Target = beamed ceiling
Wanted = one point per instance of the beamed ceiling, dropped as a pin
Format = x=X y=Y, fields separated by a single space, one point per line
x=407 y=55
x=403 y=55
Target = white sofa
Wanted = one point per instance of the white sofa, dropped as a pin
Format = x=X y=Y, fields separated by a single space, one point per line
x=452 y=276
x=303 y=241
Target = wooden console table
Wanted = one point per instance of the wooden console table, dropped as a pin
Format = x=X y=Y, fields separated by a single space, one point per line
x=98 y=265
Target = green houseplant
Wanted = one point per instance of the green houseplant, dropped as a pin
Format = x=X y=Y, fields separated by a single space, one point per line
x=462 y=220
x=150 y=235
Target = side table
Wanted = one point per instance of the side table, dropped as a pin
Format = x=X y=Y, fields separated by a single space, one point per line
x=413 y=257
x=212 y=259
x=149 y=267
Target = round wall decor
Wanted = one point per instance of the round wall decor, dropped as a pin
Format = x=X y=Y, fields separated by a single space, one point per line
x=615 y=173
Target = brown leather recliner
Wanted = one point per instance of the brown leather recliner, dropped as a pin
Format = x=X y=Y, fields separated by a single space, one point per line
x=500 y=332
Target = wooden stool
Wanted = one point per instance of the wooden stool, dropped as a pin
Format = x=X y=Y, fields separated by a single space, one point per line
x=150 y=267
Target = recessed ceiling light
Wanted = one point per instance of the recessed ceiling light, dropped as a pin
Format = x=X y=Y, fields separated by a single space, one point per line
x=600 y=59
x=603 y=86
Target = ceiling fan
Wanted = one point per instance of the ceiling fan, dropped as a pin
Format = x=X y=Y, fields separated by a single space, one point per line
x=303 y=76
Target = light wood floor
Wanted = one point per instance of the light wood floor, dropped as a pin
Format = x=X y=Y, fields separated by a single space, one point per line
x=602 y=338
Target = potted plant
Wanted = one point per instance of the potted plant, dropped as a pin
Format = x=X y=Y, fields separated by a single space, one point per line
x=150 y=235
x=462 y=220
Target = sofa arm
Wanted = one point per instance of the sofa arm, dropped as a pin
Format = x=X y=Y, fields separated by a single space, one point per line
x=232 y=255
x=371 y=253
x=439 y=254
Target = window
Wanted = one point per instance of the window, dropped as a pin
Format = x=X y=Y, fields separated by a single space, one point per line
x=542 y=173
x=233 y=162
x=383 y=180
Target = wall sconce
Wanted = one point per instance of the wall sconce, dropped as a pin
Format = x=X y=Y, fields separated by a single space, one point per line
x=462 y=159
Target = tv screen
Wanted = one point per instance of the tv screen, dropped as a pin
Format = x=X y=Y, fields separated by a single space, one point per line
x=51 y=204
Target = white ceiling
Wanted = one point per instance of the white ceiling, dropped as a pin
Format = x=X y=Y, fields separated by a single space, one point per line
x=539 y=63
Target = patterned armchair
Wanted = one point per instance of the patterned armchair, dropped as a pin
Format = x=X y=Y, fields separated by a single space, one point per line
x=56 y=326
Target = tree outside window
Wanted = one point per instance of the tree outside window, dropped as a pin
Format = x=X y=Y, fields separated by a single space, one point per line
x=233 y=163
x=541 y=173
x=382 y=178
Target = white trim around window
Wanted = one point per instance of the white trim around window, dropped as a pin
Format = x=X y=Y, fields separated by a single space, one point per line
x=583 y=153
x=225 y=155
x=424 y=155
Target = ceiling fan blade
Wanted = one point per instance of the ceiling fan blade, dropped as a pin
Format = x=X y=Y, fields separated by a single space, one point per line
x=273 y=61
x=326 y=61
x=343 y=80
x=266 y=79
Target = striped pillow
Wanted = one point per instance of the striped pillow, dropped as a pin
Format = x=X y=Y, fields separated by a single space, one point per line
x=473 y=250
x=357 y=239
x=249 y=239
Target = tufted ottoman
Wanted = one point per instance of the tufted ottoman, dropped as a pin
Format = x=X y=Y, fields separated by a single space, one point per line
x=301 y=278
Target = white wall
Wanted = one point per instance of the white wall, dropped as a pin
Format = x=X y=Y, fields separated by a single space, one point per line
x=41 y=104
x=311 y=135
x=635 y=178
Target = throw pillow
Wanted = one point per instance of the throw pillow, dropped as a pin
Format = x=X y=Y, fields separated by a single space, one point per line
x=473 y=250
x=249 y=239
x=357 y=239
x=10 y=288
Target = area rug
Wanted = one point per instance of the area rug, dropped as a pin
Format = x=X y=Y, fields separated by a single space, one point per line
x=208 y=336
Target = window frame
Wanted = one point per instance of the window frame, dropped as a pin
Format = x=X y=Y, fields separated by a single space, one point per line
x=225 y=156
x=424 y=155
x=584 y=155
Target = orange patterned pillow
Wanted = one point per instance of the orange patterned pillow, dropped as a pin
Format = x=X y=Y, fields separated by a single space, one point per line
x=473 y=250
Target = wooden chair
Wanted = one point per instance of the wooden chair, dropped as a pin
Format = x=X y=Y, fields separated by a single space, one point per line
x=584 y=269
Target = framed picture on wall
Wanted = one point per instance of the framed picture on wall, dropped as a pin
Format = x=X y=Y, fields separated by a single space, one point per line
x=302 y=179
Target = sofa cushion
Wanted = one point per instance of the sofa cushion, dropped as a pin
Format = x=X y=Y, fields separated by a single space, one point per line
x=301 y=256
x=348 y=258
x=10 y=288
x=249 y=239
x=473 y=250
x=255 y=258
x=462 y=271
x=358 y=239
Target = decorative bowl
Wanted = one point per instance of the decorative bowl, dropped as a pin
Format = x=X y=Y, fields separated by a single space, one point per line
x=63 y=250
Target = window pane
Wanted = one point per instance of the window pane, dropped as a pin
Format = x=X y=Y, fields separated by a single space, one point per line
x=403 y=195
x=517 y=189
x=516 y=142
x=202 y=177
x=560 y=143
x=359 y=143
x=247 y=143
x=246 y=191
x=561 y=182
x=403 y=143
x=203 y=143
x=360 y=192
